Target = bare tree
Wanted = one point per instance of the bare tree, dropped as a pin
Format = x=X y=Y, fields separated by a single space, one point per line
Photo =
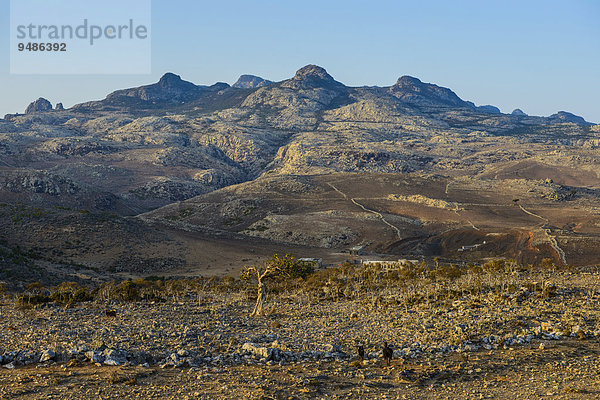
x=286 y=267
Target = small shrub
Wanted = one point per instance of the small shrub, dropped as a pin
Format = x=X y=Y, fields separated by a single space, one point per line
x=26 y=300
x=126 y=291
x=446 y=272
x=35 y=286
x=69 y=293
x=131 y=381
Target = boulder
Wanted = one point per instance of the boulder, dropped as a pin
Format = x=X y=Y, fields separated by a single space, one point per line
x=114 y=357
x=333 y=348
x=95 y=356
x=260 y=351
x=47 y=355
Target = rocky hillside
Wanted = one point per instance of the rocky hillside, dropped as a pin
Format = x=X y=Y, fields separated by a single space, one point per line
x=147 y=147
x=173 y=140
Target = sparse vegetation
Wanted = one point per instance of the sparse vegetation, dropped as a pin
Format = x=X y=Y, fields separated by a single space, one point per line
x=258 y=228
x=21 y=212
x=180 y=214
x=65 y=294
x=404 y=284
x=442 y=305
x=233 y=221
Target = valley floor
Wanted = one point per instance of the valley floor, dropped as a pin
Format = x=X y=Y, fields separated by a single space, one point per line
x=503 y=335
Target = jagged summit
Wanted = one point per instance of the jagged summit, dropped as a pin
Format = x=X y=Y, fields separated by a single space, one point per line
x=170 y=88
x=564 y=116
x=171 y=80
x=250 y=82
x=313 y=72
x=312 y=76
x=39 y=105
x=169 y=76
x=411 y=90
x=408 y=81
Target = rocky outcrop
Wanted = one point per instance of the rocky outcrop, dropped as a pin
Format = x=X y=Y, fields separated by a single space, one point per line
x=412 y=90
x=489 y=109
x=170 y=189
x=564 y=116
x=39 y=105
x=427 y=201
x=518 y=112
x=312 y=77
x=38 y=182
x=169 y=88
x=295 y=103
x=59 y=107
x=250 y=82
x=77 y=146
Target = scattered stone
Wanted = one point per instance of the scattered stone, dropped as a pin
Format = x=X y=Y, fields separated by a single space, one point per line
x=259 y=351
x=114 y=357
x=47 y=355
x=95 y=356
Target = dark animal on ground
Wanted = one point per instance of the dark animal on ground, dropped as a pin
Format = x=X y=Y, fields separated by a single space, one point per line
x=388 y=353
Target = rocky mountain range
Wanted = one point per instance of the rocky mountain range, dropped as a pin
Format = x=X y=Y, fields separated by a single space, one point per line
x=272 y=161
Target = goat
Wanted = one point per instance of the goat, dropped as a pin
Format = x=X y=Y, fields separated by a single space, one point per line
x=388 y=353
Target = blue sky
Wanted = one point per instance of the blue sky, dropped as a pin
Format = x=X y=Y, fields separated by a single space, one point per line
x=540 y=56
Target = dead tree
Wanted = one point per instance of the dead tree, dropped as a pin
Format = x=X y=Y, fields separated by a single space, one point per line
x=277 y=267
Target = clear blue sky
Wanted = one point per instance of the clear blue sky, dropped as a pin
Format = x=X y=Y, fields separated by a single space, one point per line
x=541 y=56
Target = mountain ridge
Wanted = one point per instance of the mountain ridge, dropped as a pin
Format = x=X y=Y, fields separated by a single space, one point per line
x=411 y=90
x=262 y=162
